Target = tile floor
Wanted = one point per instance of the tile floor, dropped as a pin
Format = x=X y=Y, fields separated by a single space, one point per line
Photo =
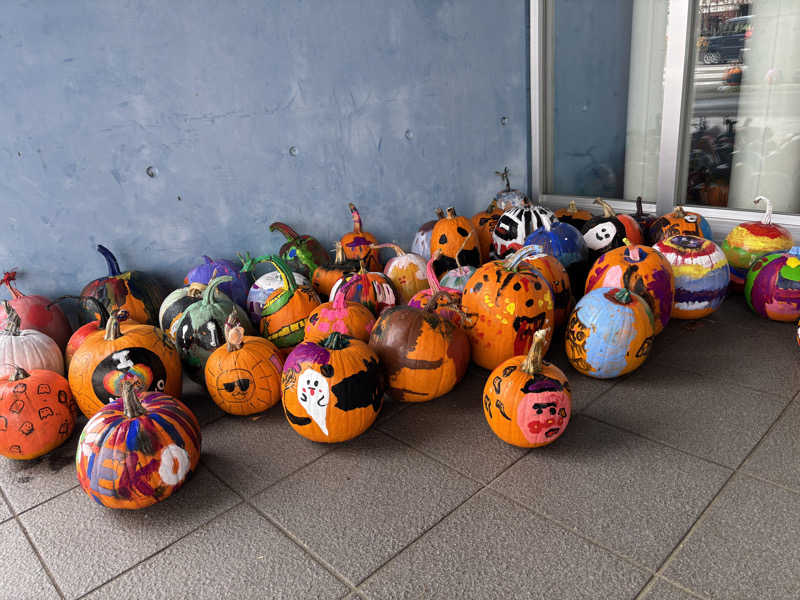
x=679 y=481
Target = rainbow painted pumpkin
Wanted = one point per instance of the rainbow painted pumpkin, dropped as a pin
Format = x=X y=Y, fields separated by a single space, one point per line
x=137 y=450
x=701 y=275
x=679 y=222
x=370 y=288
x=772 y=287
x=36 y=312
x=406 y=270
x=610 y=333
x=302 y=253
x=286 y=310
x=236 y=289
x=527 y=401
x=358 y=244
x=342 y=315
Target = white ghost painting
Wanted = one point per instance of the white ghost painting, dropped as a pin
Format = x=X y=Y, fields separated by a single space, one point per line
x=599 y=236
x=314 y=394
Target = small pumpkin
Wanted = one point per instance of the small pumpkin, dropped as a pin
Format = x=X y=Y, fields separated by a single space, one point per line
x=679 y=222
x=37 y=312
x=772 y=286
x=454 y=237
x=506 y=302
x=610 y=333
x=332 y=390
x=236 y=289
x=286 y=310
x=37 y=413
x=422 y=354
x=484 y=223
x=27 y=348
x=138 y=450
x=515 y=225
x=243 y=377
x=645 y=220
x=747 y=241
x=325 y=277
x=133 y=291
x=447 y=306
x=558 y=278
x=572 y=215
x=527 y=401
x=265 y=285
x=509 y=198
x=372 y=289
x=302 y=253
x=566 y=244
x=642 y=270
x=406 y=270
x=701 y=275
x=107 y=358
x=422 y=239
x=606 y=232
x=342 y=315
x=358 y=244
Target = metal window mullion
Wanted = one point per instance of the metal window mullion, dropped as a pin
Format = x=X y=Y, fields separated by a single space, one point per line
x=539 y=85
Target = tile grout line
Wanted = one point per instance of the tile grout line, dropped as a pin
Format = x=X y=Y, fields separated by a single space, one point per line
x=656 y=577
x=53 y=497
x=597 y=397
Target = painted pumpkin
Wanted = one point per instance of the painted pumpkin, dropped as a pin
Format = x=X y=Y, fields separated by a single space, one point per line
x=610 y=333
x=527 y=401
x=679 y=222
x=406 y=270
x=422 y=239
x=644 y=220
x=26 y=348
x=641 y=270
x=342 y=315
x=332 y=390
x=484 y=223
x=515 y=225
x=236 y=289
x=302 y=253
x=701 y=275
x=556 y=275
x=505 y=303
x=133 y=291
x=199 y=330
x=286 y=310
x=447 y=306
x=37 y=312
x=566 y=244
x=243 y=377
x=37 y=413
x=772 y=287
x=509 y=198
x=176 y=302
x=138 y=450
x=422 y=355
x=107 y=358
x=608 y=231
x=326 y=277
x=747 y=241
x=372 y=289
x=358 y=244
x=457 y=278
x=574 y=216
x=265 y=285
x=455 y=238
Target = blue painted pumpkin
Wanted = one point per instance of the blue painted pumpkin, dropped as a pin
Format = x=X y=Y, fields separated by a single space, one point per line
x=566 y=243
x=236 y=289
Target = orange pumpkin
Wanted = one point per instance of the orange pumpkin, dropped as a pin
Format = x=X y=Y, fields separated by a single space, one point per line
x=678 y=222
x=422 y=355
x=505 y=303
x=484 y=223
x=526 y=401
x=444 y=306
x=106 y=358
x=37 y=413
x=286 y=310
x=370 y=288
x=573 y=215
x=243 y=377
x=325 y=276
x=557 y=277
x=357 y=244
x=342 y=315
x=406 y=270
x=331 y=390
x=454 y=236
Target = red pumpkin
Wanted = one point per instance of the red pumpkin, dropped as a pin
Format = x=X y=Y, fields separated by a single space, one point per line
x=36 y=312
x=373 y=290
x=357 y=244
x=454 y=236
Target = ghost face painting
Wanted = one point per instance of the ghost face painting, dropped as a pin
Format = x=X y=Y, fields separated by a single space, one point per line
x=313 y=393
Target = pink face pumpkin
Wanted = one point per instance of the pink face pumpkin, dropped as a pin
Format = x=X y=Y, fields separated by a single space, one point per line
x=542 y=417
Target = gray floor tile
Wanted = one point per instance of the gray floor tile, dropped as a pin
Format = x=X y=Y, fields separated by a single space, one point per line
x=251 y=455
x=778 y=456
x=27 y=483
x=362 y=503
x=635 y=496
x=735 y=312
x=22 y=576
x=703 y=416
x=110 y=541
x=197 y=399
x=493 y=548
x=444 y=427
x=5 y=512
x=745 y=546
x=238 y=555
x=663 y=590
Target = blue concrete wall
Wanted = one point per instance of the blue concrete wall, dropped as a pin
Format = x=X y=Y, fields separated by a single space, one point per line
x=213 y=94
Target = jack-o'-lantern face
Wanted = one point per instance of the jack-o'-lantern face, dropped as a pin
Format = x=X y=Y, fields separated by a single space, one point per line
x=455 y=238
x=237 y=384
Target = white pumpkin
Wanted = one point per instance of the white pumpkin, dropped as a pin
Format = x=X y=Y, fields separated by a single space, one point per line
x=26 y=348
x=407 y=272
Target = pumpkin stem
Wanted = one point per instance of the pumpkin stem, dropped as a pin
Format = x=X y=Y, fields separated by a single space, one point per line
x=492 y=206
x=211 y=288
x=207 y=259
x=397 y=249
x=356 y=217
x=287 y=277
x=572 y=208
x=19 y=373
x=431 y=305
x=8 y=278
x=98 y=306
x=533 y=360
x=112 y=331
x=131 y=405
x=196 y=289
x=639 y=209
x=504 y=176
x=439 y=213
x=234 y=333
x=451 y=212
x=289 y=233
x=111 y=260
x=433 y=281
x=512 y=262
x=339 y=257
x=679 y=212
x=336 y=341
x=767 y=218
x=607 y=210
x=362 y=268
x=13 y=322
x=623 y=296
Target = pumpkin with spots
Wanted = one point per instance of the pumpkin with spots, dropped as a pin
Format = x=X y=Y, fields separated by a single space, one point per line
x=558 y=279
x=342 y=315
x=484 y=223
x=358 y=244
x=454 y=237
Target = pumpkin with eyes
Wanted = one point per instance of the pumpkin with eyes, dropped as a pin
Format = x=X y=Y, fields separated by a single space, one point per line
x=358 y=244
x=286 y=310
x=455 y=238
x=515 y=225
x=303 y=253
x=608 y=231
x=574 y=216
x=37 y=312
x=422 y=239
x=679 y=222
x=236 y=289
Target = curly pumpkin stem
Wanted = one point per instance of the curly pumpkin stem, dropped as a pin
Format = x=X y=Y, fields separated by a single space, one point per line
x=8 y=279
x=607 y=210
x=356 y=217
x=504 y=176
x=211 y=289
x=335 y=341
x=767 y=218
x=397 y=249
x=533 y=360
x=439 y=213
x=111 y=261
x=234 y=333
x=289 y=233
x=130 y=402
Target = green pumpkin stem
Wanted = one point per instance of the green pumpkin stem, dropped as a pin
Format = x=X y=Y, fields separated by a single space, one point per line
x=607 y=210
x=335 y=341
x=623 y=296
x=19 y=373
x=234 y=332
x=13 y=322
x=287 y=277
x=356 y=217
x=211 y=289
x=767 y=218
x=289 y=233
x=533 y=361
x=130 y=403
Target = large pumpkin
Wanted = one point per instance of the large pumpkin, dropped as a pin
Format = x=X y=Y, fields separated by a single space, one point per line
x=236 y=289
x=325 y=277
x=506 y=302
x=342 y=315
x=641 y=270
x=26 y=348
x=509 y=198
x=515 y=225
x=37 y=312
x=447 y=306
x=406 y=270
x=331 y=390
x=484 y=223
x=558 y=279
x=133 y=291
x=610 y=333
x=302 y=253
x=372 y=289
x=266 y=284
x=107 y=358
x=747 y=241
x=286 y=310
x=358 y=244
x=574 y=216
x=679 y=222
x=454 y=237
x=37 y=413
x=422 y=238
x=243 y=377
x=606 y=232
x=772 y=287
x=701 y=275
x=137 y=450
x=526 y=401
x=422 y=354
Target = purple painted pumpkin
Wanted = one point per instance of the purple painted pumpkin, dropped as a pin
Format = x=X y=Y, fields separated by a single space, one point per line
x=236 y=289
